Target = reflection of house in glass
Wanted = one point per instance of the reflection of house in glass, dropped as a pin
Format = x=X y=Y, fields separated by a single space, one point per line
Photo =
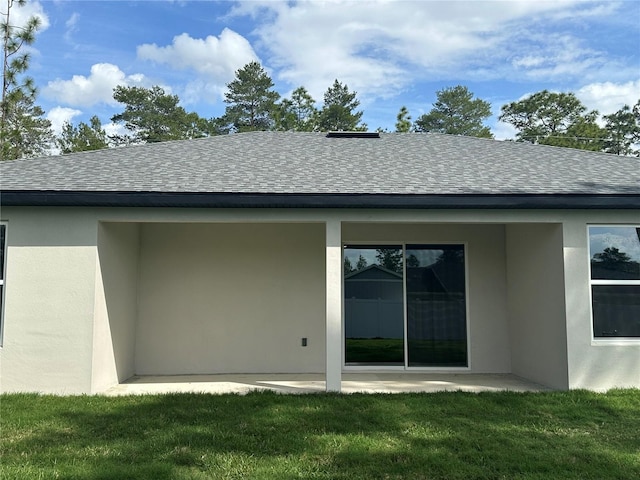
x=373 y=303
x=436 y=302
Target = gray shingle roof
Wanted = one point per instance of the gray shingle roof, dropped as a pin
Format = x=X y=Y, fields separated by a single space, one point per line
x=311 y=163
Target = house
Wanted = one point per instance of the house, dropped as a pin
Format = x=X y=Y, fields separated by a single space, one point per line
x=227 y=255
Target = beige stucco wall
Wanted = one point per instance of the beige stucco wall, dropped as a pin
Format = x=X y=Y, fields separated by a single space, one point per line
x=487 y=302
x=596 y=364
x=535 y=286
x=116 y=303
x=88 y=304
x=231 y=298
x=49 y=300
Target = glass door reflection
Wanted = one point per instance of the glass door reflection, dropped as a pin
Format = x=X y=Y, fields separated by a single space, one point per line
x=436 y=306
x=374 y=306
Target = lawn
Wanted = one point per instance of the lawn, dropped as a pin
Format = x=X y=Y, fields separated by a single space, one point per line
x=390 y=351
x=449 y=435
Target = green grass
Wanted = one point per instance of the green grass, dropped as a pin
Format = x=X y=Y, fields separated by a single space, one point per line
x=557 y=435
x=449 y=353
x=374 y=350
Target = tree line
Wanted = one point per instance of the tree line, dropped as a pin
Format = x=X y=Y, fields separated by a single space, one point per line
x=153 y=115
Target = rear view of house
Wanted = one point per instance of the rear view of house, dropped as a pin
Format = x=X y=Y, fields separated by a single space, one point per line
x=281 y=252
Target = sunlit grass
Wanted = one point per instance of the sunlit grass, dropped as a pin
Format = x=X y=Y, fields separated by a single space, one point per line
x=454 y=435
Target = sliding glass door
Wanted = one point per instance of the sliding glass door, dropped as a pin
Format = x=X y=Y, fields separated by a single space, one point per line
x=405 y=305
x=373 y=305
x=436 y=306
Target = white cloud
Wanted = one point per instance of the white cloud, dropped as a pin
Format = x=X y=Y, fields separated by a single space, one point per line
x=116 y=129
x=503 y=131
x=94 y=89
x=549 y=56
x=379 y=47
x=59 y=115
x=609 y=97
x=72 y=25
x=217 y=58
x=201 y=89
x=72 y=21
x=21 y=14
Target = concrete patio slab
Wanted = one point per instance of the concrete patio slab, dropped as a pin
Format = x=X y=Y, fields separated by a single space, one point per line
x=315 y=383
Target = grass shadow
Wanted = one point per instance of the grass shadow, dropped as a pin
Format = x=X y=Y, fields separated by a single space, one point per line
x=265 y=435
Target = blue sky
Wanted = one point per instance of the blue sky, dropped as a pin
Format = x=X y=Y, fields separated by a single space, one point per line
x=393 y=53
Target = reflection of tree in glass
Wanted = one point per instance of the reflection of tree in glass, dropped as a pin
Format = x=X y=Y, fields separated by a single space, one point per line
x=451 y=256
x=412 y=261
x=348 y=267
x=360 y=265
x=390 y=258
x=612 y=258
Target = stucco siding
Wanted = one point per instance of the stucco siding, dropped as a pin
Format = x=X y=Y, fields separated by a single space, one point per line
x=231 y=298
x=95 y=295
x=487 y=301
x=536 y=303
x=49 y=300
x=595 y=364
x=115 y=304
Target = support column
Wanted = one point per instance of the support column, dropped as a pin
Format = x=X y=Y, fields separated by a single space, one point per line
x=586 y=367
x=334 y=305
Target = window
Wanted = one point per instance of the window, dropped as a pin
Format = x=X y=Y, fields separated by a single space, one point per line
x=615 y=280
x=405 y=306
x=3 y=236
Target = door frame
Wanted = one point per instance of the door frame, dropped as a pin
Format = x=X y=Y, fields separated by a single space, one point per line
x=406 y=367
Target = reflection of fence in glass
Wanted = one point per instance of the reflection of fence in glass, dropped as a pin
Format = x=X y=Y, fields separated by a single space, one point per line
x=374 y=318
x=437 y=320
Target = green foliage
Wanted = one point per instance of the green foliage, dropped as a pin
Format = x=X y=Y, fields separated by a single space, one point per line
x=623 y=131
x=151 y=115
x=449 y=435
x=558 y=119
x=251 y=100
x=23 y=131
x=338 y=112
x=611 y=258
x=361 y=263
x=348 y=266
x=297 y=114
x=403 y=120
x=83 y=137
x=584 y=134
x=456 y=112
x=390 y=258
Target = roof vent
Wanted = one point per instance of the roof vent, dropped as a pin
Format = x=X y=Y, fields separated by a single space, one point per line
x=352 y=134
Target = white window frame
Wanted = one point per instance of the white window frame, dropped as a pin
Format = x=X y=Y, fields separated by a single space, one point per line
x=607 y=340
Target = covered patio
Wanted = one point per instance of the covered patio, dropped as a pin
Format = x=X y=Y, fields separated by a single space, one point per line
x=315 y=383
x=204 y=306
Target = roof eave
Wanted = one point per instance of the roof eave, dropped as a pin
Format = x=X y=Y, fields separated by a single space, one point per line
x=314 y=200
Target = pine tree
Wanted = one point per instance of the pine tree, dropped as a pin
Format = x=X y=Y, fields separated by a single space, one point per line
x=338 y=112
x=456 y=112
x=151 y=115
x=83 y=137
x=298 y=114
x=403 y=120
x=558 y=119
x=23 y=130
x=251 y=100
x=623 y=131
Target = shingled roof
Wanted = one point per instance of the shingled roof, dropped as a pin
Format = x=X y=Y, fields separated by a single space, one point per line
x=314 y=170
